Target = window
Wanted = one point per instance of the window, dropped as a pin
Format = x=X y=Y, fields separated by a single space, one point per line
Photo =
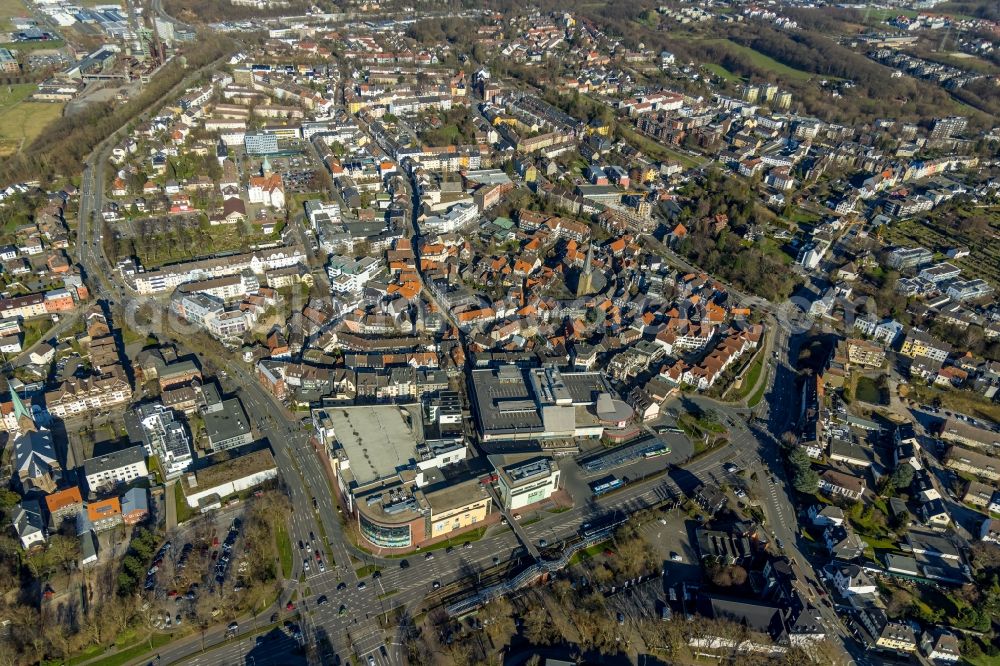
x=384 y=536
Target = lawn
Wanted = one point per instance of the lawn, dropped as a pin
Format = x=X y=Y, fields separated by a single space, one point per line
x=155 y=468
x=869 y=391
x=751 y=376
x=588 y=553
x=11 y=9
x=34 y=330
x=284 y=550
x=21 y=121
x=981 y=660
x=12 y=94
x=176 y=245
x=128 y=654
x=657 y=150
x=963 y=402
x=721 y=72
x=367 y=570
x=755 y=399
x=41 y=45
x=184 y=512
x=766 y=62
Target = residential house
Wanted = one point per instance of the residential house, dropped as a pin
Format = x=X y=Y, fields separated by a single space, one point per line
x=135 y=505
x=29 y=524
x=850 y=579
x=63 y=504
x=842 y=543
x=941 y=646
x=881 y=633
x=101 y=515
x=989 y=531
x=122 y=466
x=971 y=462
x=833 y=482
x=823 y=515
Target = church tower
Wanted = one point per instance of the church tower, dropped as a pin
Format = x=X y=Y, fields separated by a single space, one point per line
x=25 y=421
x=585 y=283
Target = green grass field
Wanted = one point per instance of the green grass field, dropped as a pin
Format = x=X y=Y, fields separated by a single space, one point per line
x=876 y=15
x=758 y=395
x=184 y=512
x=11 y=95
x=657 y=150
x=284 y=550
x=751 y=377
x=10 y=9
x=128 y=654
x=721 y=72
x=766 y=62
x=166 y=248
x=756 y=57
x=34 y=329
x=21 y=121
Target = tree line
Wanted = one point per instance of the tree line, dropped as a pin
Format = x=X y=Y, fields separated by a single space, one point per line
x=66 y=143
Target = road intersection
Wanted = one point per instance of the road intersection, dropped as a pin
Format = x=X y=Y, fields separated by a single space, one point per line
x=317 y=520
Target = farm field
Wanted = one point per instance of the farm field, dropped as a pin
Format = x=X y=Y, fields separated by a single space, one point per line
x=20 y=120
x=8 y=10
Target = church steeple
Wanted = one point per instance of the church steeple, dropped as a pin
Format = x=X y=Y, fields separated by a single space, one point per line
x=25 y=421
x=585 y=283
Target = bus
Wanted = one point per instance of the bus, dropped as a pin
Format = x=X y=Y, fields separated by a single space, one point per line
x=606 y=486
x=657 y=450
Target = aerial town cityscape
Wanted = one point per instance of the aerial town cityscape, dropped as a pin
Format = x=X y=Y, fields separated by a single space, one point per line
x=433 y=332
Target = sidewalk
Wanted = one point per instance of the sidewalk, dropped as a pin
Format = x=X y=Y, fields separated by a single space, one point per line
x=168 y=500
x=185 y=641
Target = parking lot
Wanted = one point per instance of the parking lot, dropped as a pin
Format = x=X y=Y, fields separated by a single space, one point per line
x=671 y=535
x=201 y=559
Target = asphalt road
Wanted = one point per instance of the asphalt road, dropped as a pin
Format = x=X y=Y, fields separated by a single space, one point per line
x=357 y=630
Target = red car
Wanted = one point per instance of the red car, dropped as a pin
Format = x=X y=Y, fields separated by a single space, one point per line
x=289 y=606
x=317 y=556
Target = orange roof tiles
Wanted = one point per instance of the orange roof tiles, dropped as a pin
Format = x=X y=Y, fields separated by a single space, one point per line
x=103 y=509
x=62 y=499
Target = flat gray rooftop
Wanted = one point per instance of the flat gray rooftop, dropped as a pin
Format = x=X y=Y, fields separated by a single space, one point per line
x=584 y=387
x=378 y=439
x=504 y=403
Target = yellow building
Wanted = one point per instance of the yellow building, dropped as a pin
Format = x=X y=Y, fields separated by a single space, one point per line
x=919 y=343
x=457 y=507
x=862 y=352
x=599 y=127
